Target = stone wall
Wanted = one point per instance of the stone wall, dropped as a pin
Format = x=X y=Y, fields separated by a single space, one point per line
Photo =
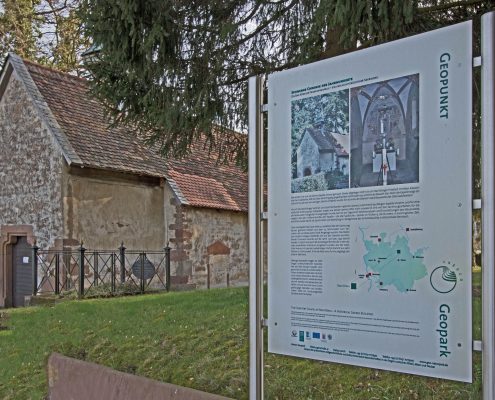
x=65 y=204
x=327 y=162
x=103 y=209
x=219 y=242
x=308 y=157
x=30 y=168
x=343 y=165
x=204 y=239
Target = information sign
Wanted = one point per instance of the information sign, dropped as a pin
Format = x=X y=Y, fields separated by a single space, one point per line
x=369 y=173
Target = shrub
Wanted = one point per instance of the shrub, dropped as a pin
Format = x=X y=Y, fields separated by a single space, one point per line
x=312 y=183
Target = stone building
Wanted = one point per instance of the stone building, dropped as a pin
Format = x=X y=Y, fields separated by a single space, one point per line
x=66 y=176
x=321 y=151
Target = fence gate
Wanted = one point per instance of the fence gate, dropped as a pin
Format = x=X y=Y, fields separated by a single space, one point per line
x=22 y=275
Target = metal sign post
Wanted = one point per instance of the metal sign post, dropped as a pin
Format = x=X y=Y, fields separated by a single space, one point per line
x=488 y=202
x=255 y=238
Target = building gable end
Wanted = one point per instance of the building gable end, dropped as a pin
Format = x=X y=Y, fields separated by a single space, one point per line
x=15 y=63
x=5 y=78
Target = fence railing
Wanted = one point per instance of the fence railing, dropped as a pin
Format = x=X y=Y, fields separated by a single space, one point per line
x=90 y=273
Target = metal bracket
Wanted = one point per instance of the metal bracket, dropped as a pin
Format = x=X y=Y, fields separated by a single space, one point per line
x=476 y=204
x=477 y=345
x=476 y=61
x=264 y=322
x=264 y=216
x=264 y=108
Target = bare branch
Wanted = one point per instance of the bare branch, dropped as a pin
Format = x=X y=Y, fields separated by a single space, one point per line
x=448 y=6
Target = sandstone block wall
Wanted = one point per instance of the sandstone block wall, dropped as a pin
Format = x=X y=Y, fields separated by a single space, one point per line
x=203 y=239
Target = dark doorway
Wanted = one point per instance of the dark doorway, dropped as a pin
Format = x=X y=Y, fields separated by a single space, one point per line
x=22 y=274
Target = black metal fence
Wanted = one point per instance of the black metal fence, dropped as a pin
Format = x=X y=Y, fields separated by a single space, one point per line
x=89 y=273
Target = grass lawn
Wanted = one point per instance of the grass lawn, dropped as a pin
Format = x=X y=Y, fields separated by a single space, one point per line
x=196 y=339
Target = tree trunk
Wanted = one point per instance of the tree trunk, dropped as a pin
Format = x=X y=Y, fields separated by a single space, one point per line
x=333 y=45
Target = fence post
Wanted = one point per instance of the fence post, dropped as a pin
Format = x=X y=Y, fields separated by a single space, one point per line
x=67 y=270
x=208 y=276
x=81 y=270
x=142 y=271
x=34 y=262
x=57 y=273
x=122 y=263
x=167 y=268
x=95 y=269
x=112 y=272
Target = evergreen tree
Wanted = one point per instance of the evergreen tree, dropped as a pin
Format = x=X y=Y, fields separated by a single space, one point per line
x=175 y=69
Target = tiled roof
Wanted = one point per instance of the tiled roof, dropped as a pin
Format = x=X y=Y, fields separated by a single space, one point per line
x=322 y=140
x=327 y=142
x=205 y=191
x=198 y=179
x=206 y=183
x=83 y=121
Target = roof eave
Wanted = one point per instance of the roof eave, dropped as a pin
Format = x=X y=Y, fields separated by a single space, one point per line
x=219 y=208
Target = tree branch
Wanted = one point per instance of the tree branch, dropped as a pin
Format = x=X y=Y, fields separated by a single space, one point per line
x=52 y=10
x=447 y=6
x=262 y=26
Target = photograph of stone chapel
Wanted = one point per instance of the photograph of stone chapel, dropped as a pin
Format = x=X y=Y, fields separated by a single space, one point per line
x=385 y=132
x=67 y=176
x=320 y=142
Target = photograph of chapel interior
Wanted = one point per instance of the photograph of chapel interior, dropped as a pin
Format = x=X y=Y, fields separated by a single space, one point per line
x=385 y=132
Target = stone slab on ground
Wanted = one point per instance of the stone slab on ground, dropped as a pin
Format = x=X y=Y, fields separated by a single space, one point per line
x=73 y=379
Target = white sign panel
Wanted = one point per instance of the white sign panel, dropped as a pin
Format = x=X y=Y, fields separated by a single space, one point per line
x=370 y=207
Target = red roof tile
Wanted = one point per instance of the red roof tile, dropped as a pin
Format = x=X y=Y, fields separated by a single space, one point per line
x=200 y=179
x=203 y=191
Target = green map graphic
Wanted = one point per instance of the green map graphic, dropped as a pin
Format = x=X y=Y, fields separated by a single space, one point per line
x=393 y=262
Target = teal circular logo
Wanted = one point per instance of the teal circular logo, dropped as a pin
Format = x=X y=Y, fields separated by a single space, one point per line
x=443 y=279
